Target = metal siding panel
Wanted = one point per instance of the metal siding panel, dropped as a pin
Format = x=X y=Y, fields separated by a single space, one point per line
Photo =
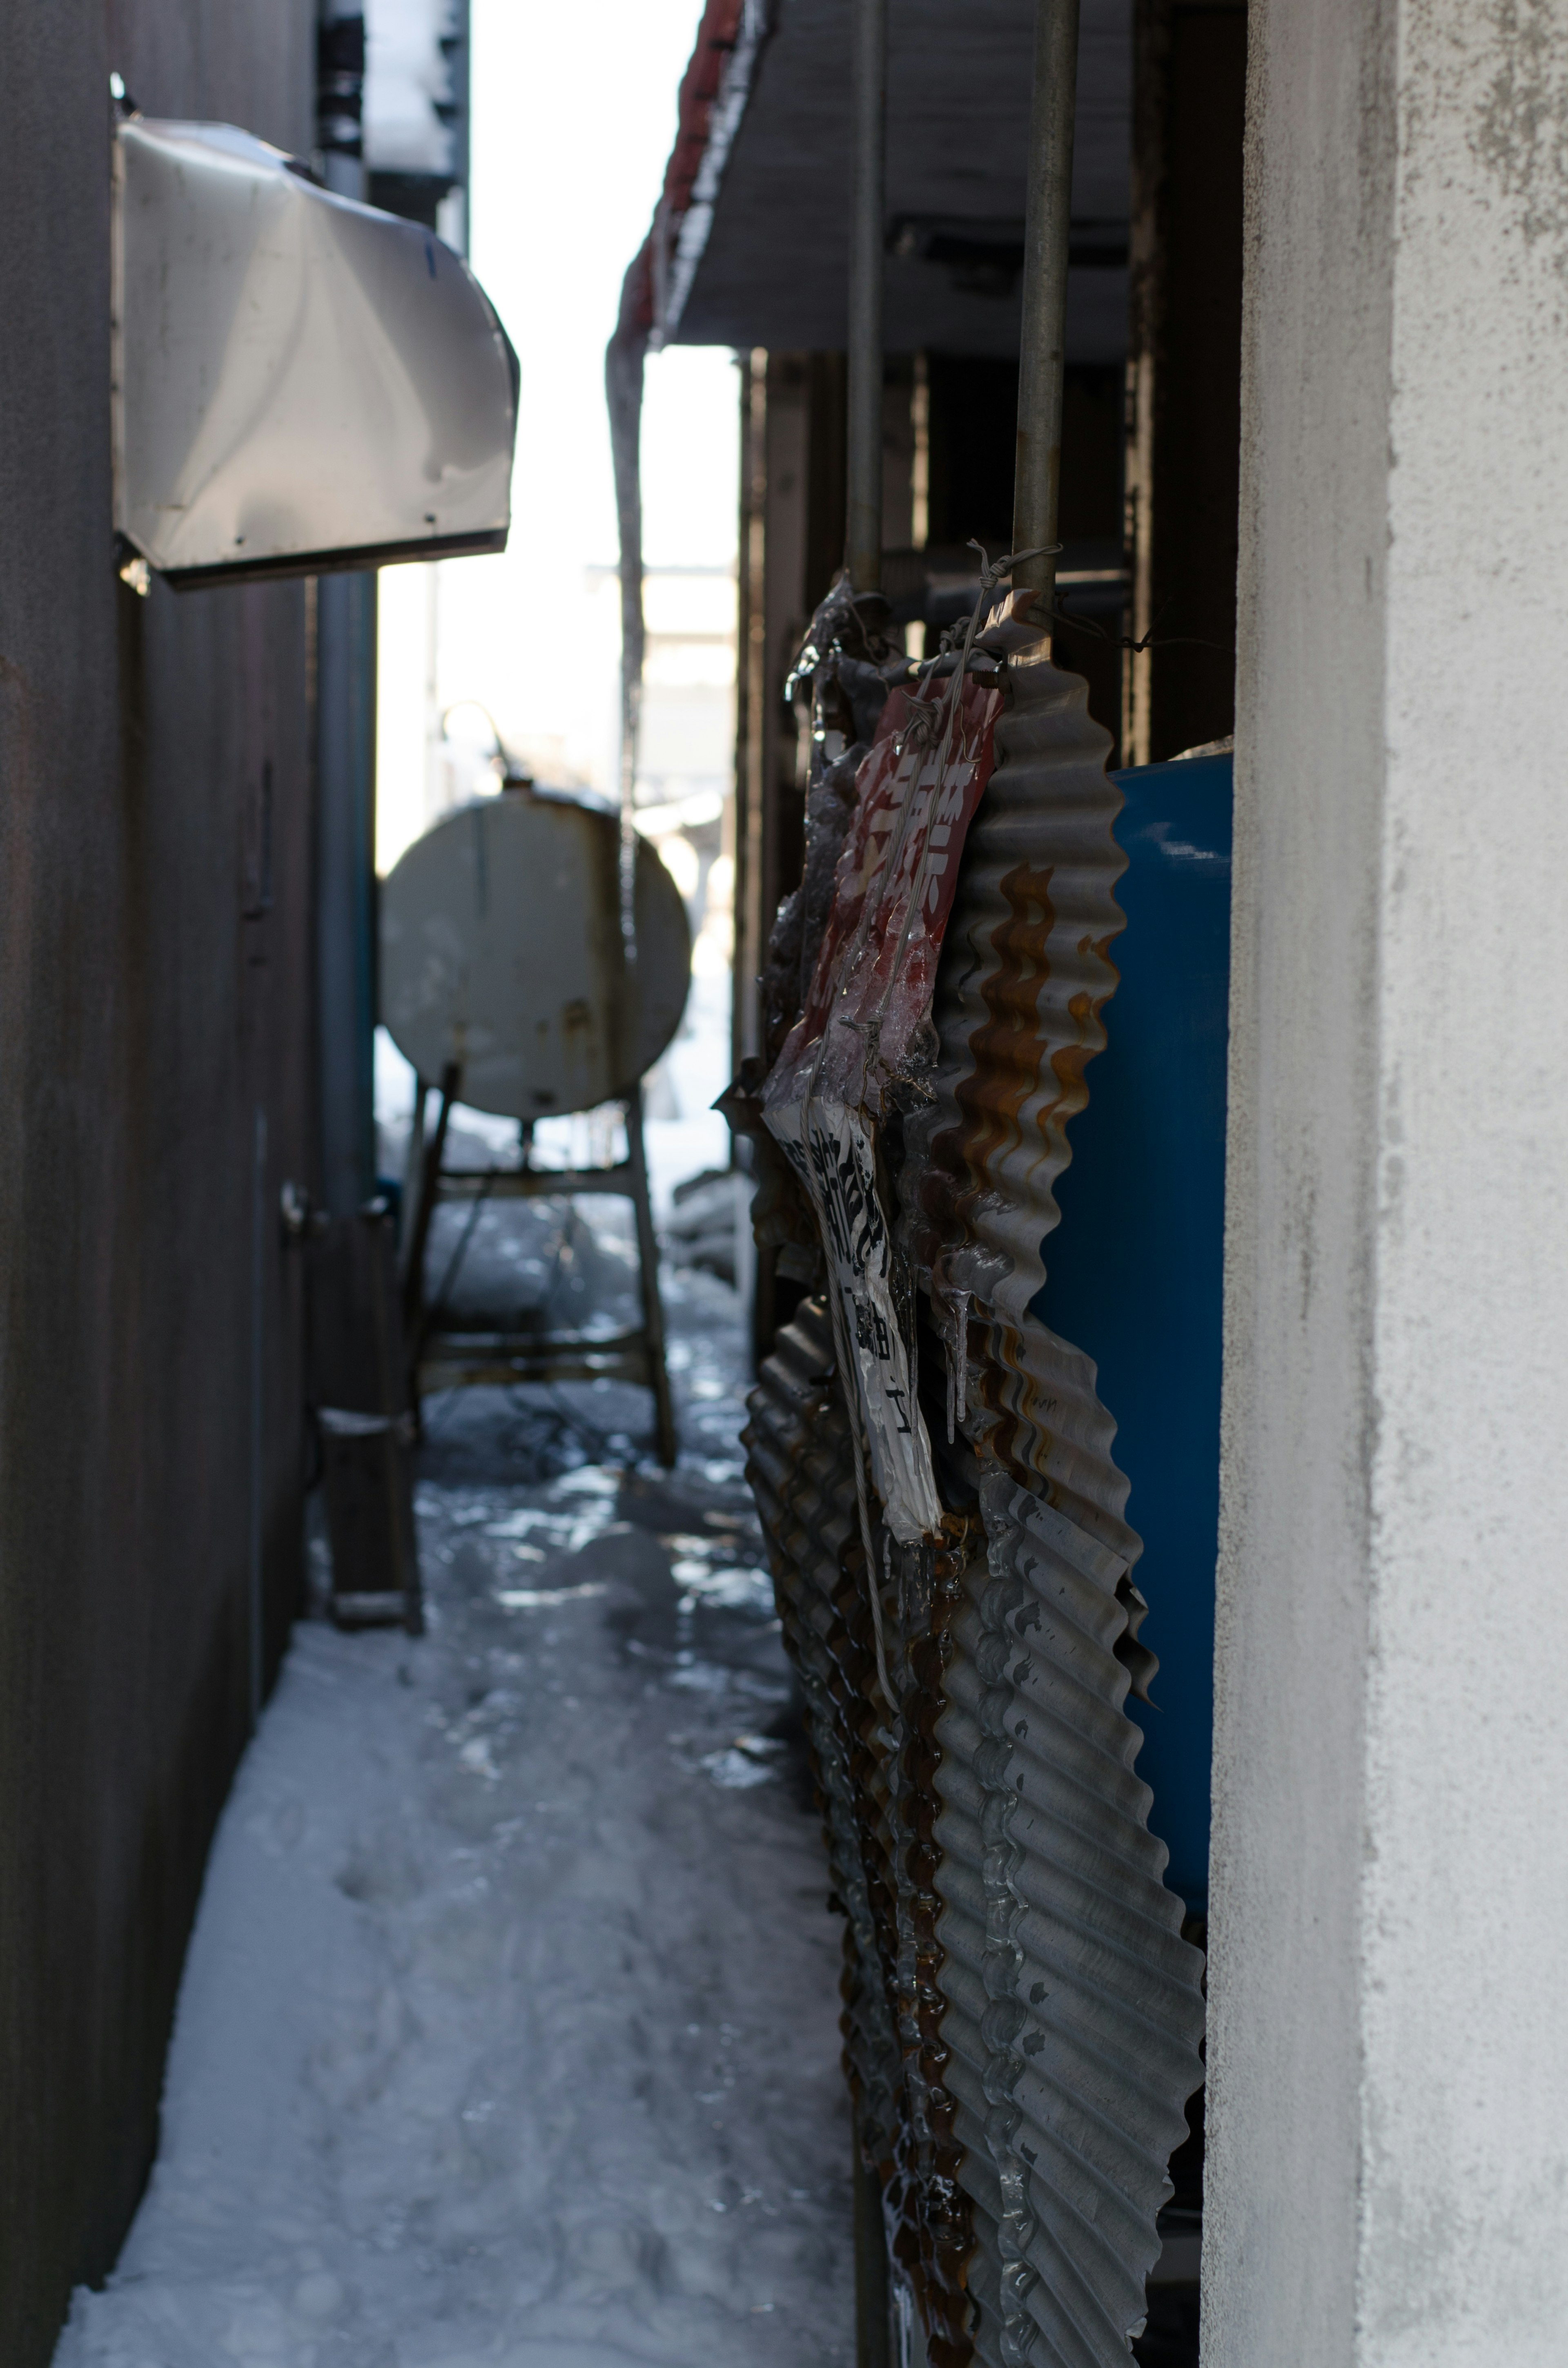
x=1069 y=1878
x=1069 y=2009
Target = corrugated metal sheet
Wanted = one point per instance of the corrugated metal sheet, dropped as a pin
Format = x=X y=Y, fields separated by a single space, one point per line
x=879 y=1802
x=1043 y=2015
x=1075 y=2011
x=802 y=1474
x=1026 y=972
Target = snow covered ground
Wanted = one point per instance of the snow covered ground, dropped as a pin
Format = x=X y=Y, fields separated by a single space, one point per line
x=508 y=2034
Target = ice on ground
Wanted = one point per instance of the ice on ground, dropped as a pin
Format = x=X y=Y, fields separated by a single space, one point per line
x=508 y=2036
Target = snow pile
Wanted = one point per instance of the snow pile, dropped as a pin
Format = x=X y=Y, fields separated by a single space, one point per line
x=508 y=2034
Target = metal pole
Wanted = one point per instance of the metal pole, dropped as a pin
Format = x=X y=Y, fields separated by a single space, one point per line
x=346 y=886
x=345 y=733
x=648 y=1270
x=863 y=532
x=1042 y=350
x=256 y=1608
x=459 y=35
x=625 y=357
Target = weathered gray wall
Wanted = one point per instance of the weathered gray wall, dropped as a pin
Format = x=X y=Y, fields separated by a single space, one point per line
x=144 y=1022
x=1387 y=2179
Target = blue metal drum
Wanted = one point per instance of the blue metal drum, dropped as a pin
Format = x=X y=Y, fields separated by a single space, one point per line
x=1134 y=1273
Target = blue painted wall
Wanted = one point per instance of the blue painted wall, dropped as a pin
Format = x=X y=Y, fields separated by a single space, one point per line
x=1134 y=1273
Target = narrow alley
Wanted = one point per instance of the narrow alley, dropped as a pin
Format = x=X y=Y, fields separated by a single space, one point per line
x=510 y=2024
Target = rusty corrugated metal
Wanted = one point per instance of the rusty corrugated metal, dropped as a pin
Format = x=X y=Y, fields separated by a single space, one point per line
x=1025 y=974
x=1023 y=2018
x=1076 y=2008
x=1073 y=2012
x=800 y=1471
x=879 y=1798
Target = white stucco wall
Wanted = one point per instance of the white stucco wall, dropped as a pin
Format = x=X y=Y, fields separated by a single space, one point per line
x=1388 y=2176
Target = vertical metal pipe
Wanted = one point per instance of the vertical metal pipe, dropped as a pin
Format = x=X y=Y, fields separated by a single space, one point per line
x=340 y=95
x=256 y=1639
x=346 y=886
x=863 y=530
x=346 y=735
x=665 y=1436
x=459 y=47
x=625 y=358
x=1042 y=349
x=755 y=711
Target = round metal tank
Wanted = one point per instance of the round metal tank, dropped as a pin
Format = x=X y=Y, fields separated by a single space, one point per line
x=1134 y=1273
x=501 y=950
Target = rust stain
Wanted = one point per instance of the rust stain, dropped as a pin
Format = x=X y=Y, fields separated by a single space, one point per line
x=879 y=1805
x=1014 y=1048
x=1012 y=1045
x=935 y=2221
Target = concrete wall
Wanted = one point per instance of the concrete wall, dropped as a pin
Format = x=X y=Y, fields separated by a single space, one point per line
x=154 y=993
x=1388 y=2104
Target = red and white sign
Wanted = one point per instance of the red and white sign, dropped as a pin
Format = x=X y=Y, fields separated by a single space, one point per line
x=918 y=790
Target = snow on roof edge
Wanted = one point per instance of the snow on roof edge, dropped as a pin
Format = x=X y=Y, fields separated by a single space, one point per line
x=713 y=95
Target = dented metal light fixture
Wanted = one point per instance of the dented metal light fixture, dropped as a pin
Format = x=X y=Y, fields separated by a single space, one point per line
x=300 y=383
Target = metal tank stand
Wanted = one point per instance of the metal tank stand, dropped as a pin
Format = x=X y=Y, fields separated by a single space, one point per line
x=442 y=1357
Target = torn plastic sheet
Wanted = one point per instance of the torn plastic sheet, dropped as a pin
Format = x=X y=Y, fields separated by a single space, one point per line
x=865 y=1032
x=837 y=1165
x=870 y=991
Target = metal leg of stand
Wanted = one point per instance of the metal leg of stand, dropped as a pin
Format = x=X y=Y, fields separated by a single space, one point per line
x=413 y=1272
x=413 y=1174
x=872 y=2330
x=648 y=1263
x=391 y=1380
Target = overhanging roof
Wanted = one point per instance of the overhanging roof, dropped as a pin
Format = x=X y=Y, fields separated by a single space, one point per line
x=751 y=244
